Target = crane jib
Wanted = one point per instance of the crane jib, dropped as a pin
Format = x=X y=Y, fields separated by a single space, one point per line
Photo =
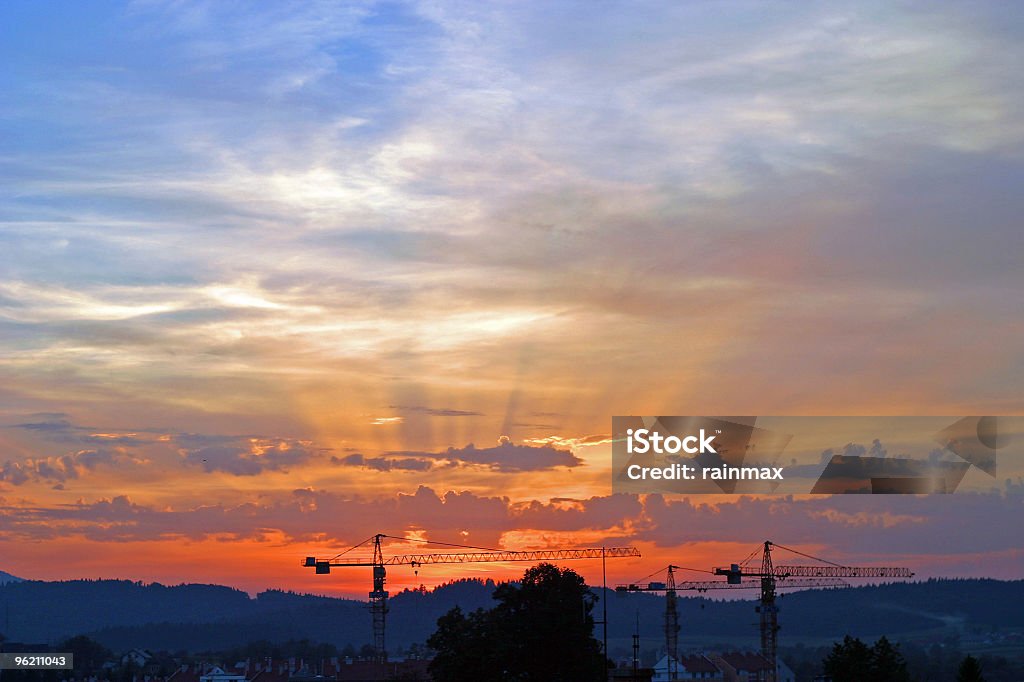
x=782 y=572
x=468 y=557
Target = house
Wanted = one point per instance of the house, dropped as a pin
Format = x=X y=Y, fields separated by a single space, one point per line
x=139 y=658
x=271 y=671
x=744 y=666
x=695 y=667
x=332 y=670
x=216 y=674
x=366 y=671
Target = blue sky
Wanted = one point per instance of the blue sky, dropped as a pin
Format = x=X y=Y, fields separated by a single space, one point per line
x=296 y=232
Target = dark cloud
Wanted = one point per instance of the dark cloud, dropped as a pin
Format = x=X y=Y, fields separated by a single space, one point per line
x=384 y=463
x=849 y=524
x=877 y=449
x=302 y=514
x=241 y=455
x=306 y=514
x=57 y=423
x=848 y=450
x=244 y=456
x=506 y=456
x=63 y=468
x=58 y=427
x=566 y=514
x=873 y=530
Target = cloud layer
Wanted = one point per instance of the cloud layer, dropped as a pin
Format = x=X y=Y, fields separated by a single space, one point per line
x=433 y=190
x=912 y=528
x=323 y=248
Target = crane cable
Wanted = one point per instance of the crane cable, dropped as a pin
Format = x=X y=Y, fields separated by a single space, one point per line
x=750 y=556
x=429 y=542
x=351 y=548
x=794 y=551
x=445 y=544
x=681 y=568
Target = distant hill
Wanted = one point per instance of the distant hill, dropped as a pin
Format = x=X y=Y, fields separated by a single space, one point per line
x=8 y=578
x=124 y=614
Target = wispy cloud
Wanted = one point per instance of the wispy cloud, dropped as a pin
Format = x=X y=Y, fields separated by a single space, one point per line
x=358 y=183
x=264 y=224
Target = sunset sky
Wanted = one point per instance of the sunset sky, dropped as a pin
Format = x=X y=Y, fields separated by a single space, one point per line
x=276 y=277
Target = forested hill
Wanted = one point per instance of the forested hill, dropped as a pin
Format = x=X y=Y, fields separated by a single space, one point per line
x=124 y=614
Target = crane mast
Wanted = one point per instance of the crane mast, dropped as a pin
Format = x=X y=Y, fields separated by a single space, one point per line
x=671 y=623
x=769 y=612
x=378 y=601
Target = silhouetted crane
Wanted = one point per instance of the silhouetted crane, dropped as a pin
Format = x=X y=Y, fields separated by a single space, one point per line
x=770 y=577
x=768 y=580
x=379 y=596
x=671 y=613
x=670 y=587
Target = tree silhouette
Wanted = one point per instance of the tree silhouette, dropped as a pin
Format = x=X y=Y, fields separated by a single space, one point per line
x=540 y=631
x=887 y=663
x=849 y=661
x=89 y=655
x=970 y=670
x=853 y=661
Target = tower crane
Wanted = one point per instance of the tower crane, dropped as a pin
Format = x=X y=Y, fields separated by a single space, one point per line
x=768 y=580
x=671 y=614
x=670 y=587
x=771 y=576
x=379 y=595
